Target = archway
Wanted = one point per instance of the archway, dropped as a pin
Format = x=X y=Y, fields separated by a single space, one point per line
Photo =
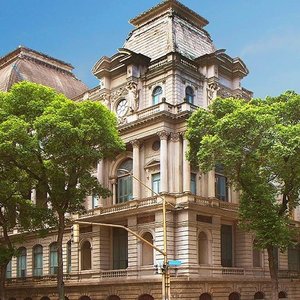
x=146 y=297
x=259 y=295
x=234 y=296
x=205 y=296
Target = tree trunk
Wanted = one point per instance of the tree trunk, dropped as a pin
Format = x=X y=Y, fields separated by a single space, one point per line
x=273 y=267
x=2 y=281
x=60 y=271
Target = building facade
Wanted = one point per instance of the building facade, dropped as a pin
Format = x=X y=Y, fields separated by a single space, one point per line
x=168 y=67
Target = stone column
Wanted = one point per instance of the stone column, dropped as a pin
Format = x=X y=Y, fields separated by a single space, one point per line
x=136 y=186
x=163 y=135
x=186 y=168
x=175 y=166
x=114 y=191
x=211 y=183
x=100 y=173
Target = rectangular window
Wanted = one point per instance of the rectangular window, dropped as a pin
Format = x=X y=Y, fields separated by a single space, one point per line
x=95 y=201
x=226 y=246
x=124 y=189
x=294 y=258
x=256 y=258
x=193 y=183
x=120 y=248
x=8 y=270
x=221 y=187
x=156 y=183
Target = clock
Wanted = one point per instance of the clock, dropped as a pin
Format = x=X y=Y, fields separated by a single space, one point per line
x=122 y=108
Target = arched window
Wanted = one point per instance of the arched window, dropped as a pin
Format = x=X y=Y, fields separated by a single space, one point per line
x=147 y=251
x=205 y=296
x=157 y=95
x=234 y=296
x=53 y=259
x=37 y=260
x=113 y=297
x=146 y=297
x=124 y=181
x=69 y=257
x=86 y=256
x=259 y=295
x=22 y=262
x=221 y=183
x=202 y=249
x=189 y=95
x=282 y=295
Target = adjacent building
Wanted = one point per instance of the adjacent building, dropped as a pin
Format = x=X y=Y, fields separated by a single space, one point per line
x=167 y=67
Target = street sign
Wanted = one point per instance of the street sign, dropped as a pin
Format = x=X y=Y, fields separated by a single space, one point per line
x=174 y=263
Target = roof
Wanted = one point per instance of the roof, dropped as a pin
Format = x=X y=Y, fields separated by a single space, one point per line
x=27 y=64
x=169 y=27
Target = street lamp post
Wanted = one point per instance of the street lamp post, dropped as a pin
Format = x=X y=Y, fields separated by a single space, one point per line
x=165 y=268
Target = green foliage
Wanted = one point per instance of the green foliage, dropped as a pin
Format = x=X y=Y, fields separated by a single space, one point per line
x=49 y=141
x=258 y=144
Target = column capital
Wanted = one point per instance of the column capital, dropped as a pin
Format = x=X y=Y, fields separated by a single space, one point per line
x=163 y=135
x=135 y=143
x=175 y=136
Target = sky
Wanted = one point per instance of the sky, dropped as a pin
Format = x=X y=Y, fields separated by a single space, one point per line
x=265 y=34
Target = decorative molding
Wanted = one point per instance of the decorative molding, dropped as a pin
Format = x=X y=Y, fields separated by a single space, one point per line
x=175 y=136
x=135 y=143
x=163 y=135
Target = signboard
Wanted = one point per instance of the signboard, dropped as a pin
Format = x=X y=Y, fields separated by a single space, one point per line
x=174 y=263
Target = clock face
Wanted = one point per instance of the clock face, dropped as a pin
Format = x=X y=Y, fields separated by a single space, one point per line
x=122 y=108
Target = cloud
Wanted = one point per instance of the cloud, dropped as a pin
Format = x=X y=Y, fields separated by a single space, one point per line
x=285 y=41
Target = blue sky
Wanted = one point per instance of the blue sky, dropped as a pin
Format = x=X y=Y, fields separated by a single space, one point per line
x=264 y=33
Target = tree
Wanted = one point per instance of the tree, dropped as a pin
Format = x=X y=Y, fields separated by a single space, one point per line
x=57 y=142
x=258 y=144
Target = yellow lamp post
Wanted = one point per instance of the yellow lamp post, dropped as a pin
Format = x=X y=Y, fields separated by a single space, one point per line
x=165 y=268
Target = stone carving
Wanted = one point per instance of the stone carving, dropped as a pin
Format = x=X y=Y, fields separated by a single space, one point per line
x=105 y=99
x=135 y=143
x=133 y=97
x=212 y=90
x=163 y=135
x=117 y=93
x=175 y=136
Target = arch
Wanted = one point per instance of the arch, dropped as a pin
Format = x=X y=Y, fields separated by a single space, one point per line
x=259 y=295
x=113 y=297
x=147 y=251
x=124 y=181
x=202 y=248
x=157 y=95
x=189 y=95
x=86 y=256
x=282 y=295
x=53 y=258
x=145 y=297
x=234 y=296
x=84 y=298
x=205 y=296
x=22 y=262
x=37 y=263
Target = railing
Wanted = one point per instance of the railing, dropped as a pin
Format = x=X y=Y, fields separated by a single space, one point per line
x=233 y=271
x=213 y=202
x=131 y=204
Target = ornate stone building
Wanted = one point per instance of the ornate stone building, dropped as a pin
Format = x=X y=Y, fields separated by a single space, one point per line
x=167 y=68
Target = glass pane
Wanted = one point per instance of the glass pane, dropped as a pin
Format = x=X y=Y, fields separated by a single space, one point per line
x=226 y=246
x=156 y=183
x=193 y=184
